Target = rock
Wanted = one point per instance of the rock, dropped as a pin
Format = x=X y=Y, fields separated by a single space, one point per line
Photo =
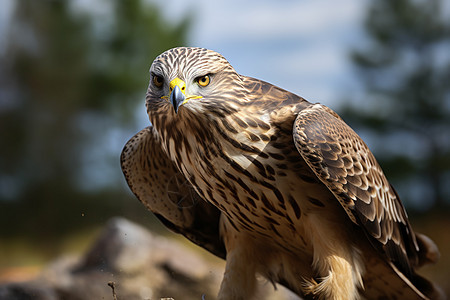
x=128 y=262
x=140 y=264
x=27 y=291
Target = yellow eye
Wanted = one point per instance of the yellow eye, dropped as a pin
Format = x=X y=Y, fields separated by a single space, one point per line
x=203 y=80
x=158 y=81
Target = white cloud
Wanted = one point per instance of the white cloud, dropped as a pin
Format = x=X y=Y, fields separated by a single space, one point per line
x=7 y=8
x=271 y=20
x=301 y=46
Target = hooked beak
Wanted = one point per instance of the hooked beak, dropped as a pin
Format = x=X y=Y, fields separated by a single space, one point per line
x=177 y=96
x=177 y=93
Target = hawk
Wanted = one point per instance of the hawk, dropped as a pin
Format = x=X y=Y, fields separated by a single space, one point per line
x=272 y=183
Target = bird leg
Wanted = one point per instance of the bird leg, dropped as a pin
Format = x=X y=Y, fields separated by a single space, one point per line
x=239 y=280
x=338 y=264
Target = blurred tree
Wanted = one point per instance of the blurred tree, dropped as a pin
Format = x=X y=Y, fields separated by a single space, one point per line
x=406 y=72
x=71 y=76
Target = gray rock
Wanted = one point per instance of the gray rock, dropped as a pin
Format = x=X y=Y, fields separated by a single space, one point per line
x=140 y=264
x=136 y=264
x=27 y=291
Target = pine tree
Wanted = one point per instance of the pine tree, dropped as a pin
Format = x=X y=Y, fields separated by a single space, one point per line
x=405 y=69
x=69 y=78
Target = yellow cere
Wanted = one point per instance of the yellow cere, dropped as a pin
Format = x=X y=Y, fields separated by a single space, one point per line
x=181 y=84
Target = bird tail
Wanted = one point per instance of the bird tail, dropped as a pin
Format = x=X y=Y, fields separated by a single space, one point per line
x=429 y=289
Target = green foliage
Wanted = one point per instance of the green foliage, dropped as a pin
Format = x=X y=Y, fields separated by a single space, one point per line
x=406 y=72
x=69 y=78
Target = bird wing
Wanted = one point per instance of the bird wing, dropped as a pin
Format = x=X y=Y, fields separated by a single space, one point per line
x=158 y=184
x=343 y=162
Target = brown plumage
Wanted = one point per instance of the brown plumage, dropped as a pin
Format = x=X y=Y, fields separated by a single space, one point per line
x=276 y=185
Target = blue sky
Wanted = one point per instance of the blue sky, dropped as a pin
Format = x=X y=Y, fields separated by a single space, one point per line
x=301 y=46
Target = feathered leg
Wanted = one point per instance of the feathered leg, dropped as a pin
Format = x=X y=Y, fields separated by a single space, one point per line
x=338 y=264
x=239 y=280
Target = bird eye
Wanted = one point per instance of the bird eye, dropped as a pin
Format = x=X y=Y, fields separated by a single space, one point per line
x=203 y=80
x=158 y=81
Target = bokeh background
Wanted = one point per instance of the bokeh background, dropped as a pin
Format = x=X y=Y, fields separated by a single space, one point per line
x=73 y=76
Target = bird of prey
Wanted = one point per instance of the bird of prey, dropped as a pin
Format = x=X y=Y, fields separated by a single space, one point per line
x=274 y=184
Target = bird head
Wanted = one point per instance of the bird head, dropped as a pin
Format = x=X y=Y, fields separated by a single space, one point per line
x=188 y=80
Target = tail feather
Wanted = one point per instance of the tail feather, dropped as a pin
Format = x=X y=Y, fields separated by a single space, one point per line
x=430 y=290
x=384 y=280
